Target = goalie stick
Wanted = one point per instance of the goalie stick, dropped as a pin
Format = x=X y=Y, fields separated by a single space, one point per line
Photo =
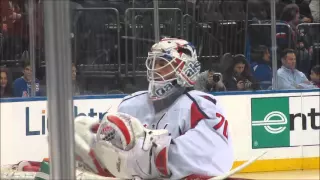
x=235 y=170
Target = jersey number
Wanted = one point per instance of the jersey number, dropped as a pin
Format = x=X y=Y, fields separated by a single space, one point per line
x=222 y=122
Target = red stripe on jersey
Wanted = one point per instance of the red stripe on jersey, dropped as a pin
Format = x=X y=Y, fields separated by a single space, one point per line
x=161 y=162
x=210 y=99
x=196 y=115
x=120 y=124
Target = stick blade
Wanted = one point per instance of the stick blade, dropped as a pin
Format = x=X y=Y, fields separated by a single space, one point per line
x=235 y=170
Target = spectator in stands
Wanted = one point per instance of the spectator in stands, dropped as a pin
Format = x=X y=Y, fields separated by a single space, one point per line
x=13 y=28
x=291 y=15
x=238 y=76
x=305 y=42
x=315 y=75
x=5 y=83
x=304 y=49
x=22 y=85
x=314 y=7
x=304 y=9
x=288 y=76
x=9 y=12
x=305 y=12
x=209 y=81
x=261 y=66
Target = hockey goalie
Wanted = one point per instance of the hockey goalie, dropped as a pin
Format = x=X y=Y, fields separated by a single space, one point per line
x=170 y=131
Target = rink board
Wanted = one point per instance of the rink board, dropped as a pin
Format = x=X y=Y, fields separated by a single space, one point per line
x=286 y=124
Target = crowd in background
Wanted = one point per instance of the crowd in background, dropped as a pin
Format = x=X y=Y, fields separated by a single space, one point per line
x=21 y=87
x=239 y=77
x=297 y=68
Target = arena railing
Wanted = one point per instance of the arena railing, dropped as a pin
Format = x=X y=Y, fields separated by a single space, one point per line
x=209 y=48
x=227 y=21
x=140 y=21
x=96 y=43
x=260 y=34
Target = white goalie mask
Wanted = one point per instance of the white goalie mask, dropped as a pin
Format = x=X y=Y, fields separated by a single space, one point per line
x=171 y=62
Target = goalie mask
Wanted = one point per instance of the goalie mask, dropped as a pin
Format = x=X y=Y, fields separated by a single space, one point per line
x=171 y=63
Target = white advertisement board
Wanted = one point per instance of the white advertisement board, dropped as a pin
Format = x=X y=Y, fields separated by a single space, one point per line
x=24 y=126
x=287 y=125
x=286 y=121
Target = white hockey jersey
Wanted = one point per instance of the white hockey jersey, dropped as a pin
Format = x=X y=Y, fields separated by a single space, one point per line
x=196 y=121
